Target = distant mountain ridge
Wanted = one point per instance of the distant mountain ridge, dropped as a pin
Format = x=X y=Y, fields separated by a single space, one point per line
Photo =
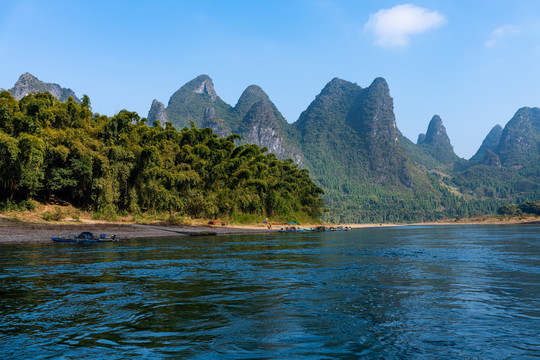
x=348 y=139
x=254 y=117
x=28 y=83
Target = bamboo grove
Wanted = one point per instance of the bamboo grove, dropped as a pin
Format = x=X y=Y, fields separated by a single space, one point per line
x=54 y=150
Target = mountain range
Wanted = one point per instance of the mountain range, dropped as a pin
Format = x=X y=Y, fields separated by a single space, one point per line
x=348 y=139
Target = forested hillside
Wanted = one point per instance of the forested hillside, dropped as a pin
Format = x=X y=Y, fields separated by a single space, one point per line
x=347 y=138
x=365 y=166
x=506 y=167
x=61 y=150
x=369 y=171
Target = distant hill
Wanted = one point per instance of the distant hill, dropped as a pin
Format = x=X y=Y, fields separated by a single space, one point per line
x=28 y=83
x=507 y=165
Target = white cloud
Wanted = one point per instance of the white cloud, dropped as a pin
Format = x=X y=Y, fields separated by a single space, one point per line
x=394 y=27
x=500 y=34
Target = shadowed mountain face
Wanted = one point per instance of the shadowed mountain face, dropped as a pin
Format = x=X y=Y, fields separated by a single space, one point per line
x=157 y=113
x=516 y=146
x=437 y=144
x=372 y=116
x=436 y=133
x=28 y=83
x=350 y=131
x=490 y=143
x=519 y=140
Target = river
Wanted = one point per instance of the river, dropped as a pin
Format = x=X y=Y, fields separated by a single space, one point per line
x=430 y=292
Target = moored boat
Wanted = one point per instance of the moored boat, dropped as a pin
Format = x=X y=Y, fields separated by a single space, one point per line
x=85 y=236
x=292 y=229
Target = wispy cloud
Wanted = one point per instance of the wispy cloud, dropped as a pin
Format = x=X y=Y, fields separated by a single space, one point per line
x=501 y=34
x=394 y=27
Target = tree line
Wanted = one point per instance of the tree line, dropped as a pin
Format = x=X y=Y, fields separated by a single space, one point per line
x=62 y=150
x=529 y=207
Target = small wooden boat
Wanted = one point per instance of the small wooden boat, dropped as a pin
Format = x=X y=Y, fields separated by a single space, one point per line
x=85 y=236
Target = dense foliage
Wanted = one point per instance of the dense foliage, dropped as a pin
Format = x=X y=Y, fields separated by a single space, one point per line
x=367 y=176
x=348 y=138
x=50 y=149
x=529 y=207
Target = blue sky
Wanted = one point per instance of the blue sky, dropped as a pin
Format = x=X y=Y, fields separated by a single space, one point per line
x=474 y=63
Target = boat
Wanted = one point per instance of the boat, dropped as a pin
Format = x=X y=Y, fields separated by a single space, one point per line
x=338 y=228
x=317 y=228
x=84 y=237
x=292 y=229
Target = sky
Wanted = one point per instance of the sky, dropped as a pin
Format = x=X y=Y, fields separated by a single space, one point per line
x=473 y=63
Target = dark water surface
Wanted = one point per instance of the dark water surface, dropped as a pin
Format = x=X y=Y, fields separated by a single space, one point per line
x=431 y=292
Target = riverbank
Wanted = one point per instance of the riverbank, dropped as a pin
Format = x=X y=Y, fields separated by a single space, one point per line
x=14 y=231
x=30 y=227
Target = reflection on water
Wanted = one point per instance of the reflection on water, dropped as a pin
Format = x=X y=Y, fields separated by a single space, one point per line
x=412 y=292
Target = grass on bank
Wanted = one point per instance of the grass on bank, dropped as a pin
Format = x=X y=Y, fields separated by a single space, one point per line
x=30 y=211
x=33 y=212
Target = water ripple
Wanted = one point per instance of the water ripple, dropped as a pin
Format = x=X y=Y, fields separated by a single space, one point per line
x=415 y=292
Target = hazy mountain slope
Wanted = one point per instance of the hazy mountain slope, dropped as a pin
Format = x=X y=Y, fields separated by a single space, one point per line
x=519 y=140
x=433 y=151
x=511 y=169
x=490 y=143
